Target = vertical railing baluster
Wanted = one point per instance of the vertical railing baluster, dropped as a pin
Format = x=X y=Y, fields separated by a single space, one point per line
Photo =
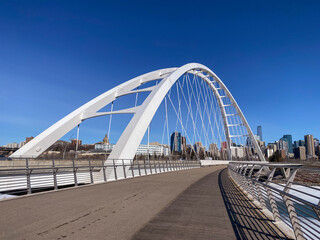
x=28 y=175
x=132 y=164
x=139 y=167
x=260 y=196
x=54 y=172
x=145 y=168
x=90 y=169
x=155 y=166
x=115 y=170
x=124 y=169
x=104 y=171
x=291 y=209
x=159 y=165
x=74 y=173
x=271 y=197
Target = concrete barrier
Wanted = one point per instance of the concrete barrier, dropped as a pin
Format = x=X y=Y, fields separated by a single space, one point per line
x=213 y=162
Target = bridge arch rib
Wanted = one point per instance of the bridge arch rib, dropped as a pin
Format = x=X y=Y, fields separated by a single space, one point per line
x=131 y=137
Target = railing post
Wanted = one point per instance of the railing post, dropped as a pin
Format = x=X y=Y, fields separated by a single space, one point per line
x=145 y=168
x=132 y=168
x=124 y=169
x=74 y=173
x=155 y=166
x=244 y=180
x=291 y=209
x=54 y=172
x=159 y=165
x=150 y=166
x=260 y=196
x=139 y=167
x=28 y=173
x=115 y=170
x=251 y=186
x=104 y=171
x=90 y=168
x=272 y=199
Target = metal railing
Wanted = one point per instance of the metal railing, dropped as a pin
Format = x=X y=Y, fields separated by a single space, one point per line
x=294 y=207
x=29 y=178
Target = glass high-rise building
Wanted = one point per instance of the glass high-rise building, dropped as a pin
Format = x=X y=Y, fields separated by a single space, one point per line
x=259 y=132
x=175 y=144
x=288 y=139
x=302 y=143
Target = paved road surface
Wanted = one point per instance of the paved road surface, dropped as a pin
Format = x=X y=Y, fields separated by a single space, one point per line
x=189 y=204
x=113 y=210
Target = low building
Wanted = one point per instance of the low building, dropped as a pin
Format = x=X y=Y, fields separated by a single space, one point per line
x=12 y=145
x=237 y=152
x=272 y=146
x=269 y=152
x=74 y=142
x=143 y=149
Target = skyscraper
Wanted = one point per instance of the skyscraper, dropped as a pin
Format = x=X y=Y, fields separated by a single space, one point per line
x=302 y=143
x=282 y=144
x=259 y=132
x=309 y=146
x=175 y=144
x=288 y=139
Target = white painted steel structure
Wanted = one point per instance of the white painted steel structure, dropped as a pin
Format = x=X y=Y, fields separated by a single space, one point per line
x=143 y=114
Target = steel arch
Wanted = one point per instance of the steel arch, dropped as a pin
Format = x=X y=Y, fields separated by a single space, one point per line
x=131 y=137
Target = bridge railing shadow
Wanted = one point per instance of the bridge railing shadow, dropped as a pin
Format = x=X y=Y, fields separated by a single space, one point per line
x=247 y=220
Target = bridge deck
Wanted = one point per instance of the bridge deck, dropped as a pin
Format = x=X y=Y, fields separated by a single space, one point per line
x=192 y=204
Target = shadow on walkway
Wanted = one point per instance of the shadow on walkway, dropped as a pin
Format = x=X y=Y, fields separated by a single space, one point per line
x=246 y=219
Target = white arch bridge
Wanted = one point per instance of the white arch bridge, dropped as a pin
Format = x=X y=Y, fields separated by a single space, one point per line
x=205 y=96
x=208 y=118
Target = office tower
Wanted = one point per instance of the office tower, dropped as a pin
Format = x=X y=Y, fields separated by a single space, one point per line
x=302 y=143
x=175 y=144
x=309 y=142
x=288 y=139
x=282 y=144
x=183 y=144
x=300 y=152
x=259 y=132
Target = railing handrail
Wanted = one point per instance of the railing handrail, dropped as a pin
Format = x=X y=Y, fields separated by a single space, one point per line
x=298 y=217
x=284 y=193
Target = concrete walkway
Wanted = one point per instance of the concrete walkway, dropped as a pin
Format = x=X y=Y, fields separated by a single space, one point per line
x=190 y=204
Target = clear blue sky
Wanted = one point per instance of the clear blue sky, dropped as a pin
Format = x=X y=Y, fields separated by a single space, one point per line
x=57 y=55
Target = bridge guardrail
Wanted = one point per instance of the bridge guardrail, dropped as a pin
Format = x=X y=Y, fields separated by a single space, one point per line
x=27 y=179
x=294 y=207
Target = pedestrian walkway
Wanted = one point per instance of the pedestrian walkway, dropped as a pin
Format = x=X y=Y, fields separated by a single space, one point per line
x=192 y=204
